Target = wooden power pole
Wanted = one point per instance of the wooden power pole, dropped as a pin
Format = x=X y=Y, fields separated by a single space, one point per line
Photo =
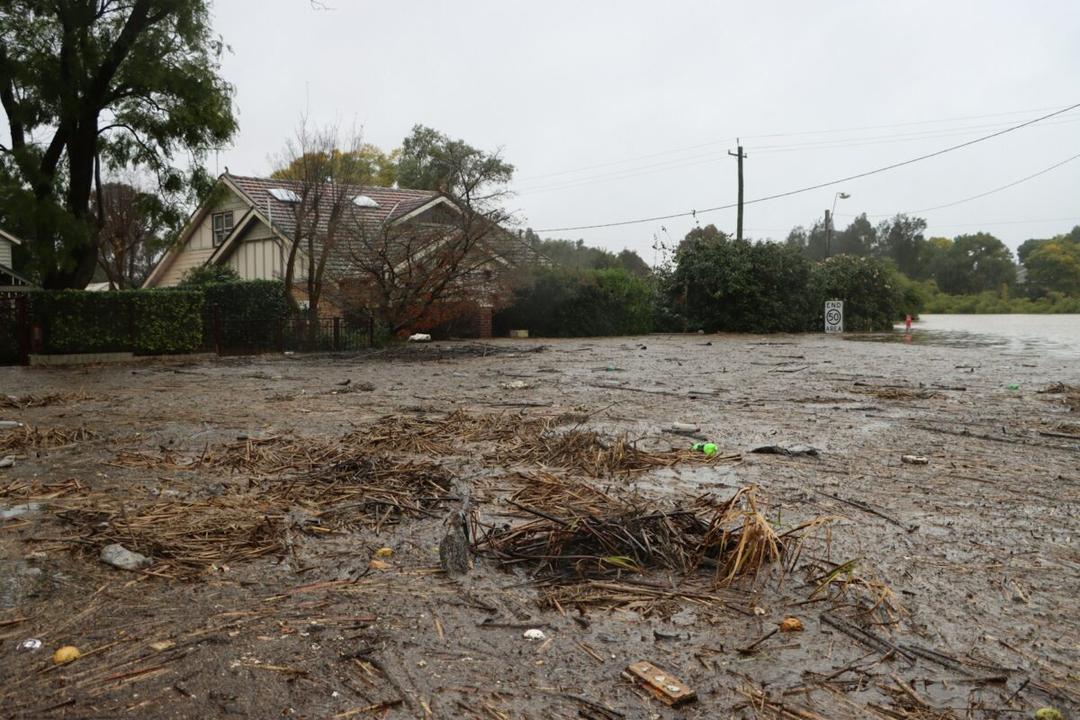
x=741 y=156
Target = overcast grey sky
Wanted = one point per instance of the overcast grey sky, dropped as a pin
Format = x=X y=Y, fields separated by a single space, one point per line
x=613 y=111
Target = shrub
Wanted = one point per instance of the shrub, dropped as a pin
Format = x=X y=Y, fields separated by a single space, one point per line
x=148 y=322
x=562 y=302
x=724 y=284
x=248 y=314
x=872 y=292
x=204 y=275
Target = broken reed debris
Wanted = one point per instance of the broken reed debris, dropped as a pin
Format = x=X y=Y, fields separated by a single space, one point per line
x=1070 y=395
x=28 y=437
x=22 y=402
x=730 y=539
x=895 y=393
x=189 y=537
x=589 y=453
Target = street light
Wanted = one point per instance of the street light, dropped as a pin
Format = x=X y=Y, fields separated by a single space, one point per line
x=829 y=221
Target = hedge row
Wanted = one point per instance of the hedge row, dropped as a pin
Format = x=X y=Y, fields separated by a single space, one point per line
x=160 y=322
x=147 y=322
x=566 y=302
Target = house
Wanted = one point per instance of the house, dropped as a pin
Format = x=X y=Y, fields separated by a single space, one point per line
x=10 y=281
x=249 y=224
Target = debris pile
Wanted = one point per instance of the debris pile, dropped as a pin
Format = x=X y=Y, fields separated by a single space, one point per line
x=589 y=453
x=729 y=538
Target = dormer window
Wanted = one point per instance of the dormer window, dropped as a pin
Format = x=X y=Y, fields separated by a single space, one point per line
x=223 y=225
x=284 y=195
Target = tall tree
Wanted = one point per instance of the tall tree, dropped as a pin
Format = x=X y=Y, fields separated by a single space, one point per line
x=325 y=180
x=129 y=233
x=1054 y=265
x=976 y=263
x=424 y=270
x=901 y=240
x=377 y=167
x=92 y=83
x=856 y=239
x=432 y=161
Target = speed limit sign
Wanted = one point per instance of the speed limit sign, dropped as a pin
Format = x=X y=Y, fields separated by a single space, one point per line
x=834 y=316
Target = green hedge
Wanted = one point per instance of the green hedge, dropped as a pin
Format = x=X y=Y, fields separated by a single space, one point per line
x=147 y=322
x=563 y=302
x=246 y=315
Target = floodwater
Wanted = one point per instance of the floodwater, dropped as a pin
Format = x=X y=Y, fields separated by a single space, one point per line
x=1057 y=335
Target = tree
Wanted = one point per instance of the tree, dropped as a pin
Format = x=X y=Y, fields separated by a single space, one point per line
x=129 y=233
x=432 y=161
x=900 y=240
x=325 y=181
x=856 y=239
x=976 y=263
x=426 y=270
x=1054 y=265
x=90 y=84
x=377 y=167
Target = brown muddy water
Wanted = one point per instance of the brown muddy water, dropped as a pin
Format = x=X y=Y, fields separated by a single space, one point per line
x=1013 y=334
x=945 y=589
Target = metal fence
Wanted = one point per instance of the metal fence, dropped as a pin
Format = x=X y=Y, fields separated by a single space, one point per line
x=227 y=335
x=14 y=329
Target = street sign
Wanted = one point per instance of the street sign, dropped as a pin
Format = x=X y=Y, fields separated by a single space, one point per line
x=834 y=316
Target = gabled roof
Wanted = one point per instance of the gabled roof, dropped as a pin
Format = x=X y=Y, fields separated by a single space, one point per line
x=391 y=204
x=10 y=238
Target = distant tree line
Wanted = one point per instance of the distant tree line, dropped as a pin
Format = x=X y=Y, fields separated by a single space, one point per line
x=968 y=264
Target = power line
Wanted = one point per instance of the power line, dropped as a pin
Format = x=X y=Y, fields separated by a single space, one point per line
x=687 y=148
x=849 y=178
x=1014 y=183
x=707 y=158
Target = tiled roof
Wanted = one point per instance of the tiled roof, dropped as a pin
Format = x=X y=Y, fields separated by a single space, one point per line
x=393 y=203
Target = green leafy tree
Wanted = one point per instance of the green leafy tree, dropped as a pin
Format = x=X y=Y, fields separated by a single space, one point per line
x=432 y=161
x=1054 y=265
x=856 y=239
x=974 y=264
x=575 y=254
x=86 y=85
x=901 y=240
x=367 y=161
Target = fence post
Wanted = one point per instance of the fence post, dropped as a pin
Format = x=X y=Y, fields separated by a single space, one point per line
x=337 y=333
x=371 y=331
x=217 y=329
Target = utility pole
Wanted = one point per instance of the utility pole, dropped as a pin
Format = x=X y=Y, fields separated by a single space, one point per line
x=828 y=233
x=741 y=156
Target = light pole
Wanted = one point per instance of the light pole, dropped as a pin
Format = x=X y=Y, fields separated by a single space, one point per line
x=829 y=221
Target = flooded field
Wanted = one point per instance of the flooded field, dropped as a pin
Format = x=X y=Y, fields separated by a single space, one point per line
x=1013 y=334
x=896 y=530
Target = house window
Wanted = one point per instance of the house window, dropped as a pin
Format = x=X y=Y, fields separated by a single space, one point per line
x=223 y=225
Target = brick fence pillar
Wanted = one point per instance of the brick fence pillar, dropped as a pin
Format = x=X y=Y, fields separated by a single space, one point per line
x=485 y=322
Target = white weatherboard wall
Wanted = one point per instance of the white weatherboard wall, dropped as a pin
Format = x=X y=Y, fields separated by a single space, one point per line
x=200 y=244
x=5 y=252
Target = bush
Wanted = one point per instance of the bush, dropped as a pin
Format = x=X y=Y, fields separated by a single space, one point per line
x=562 y=302
x=724 y=284
x=147 y=322
x=247 y=314
x=873 y=293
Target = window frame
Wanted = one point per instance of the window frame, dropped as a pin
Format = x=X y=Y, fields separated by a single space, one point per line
x=219 y=234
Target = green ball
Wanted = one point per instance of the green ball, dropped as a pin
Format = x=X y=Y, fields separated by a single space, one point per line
x=709 y=448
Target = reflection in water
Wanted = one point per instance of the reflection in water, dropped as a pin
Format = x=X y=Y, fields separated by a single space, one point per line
x=1049 y=334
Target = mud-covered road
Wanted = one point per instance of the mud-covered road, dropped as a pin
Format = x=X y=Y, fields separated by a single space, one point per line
x=939 y=590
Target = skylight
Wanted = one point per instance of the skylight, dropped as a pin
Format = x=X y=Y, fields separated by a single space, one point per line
x=364 y=201
x=284 y=195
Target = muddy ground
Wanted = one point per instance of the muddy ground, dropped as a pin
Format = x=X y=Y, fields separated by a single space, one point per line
x=960 y=602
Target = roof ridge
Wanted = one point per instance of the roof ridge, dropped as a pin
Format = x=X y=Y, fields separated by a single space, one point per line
x=287 y=181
